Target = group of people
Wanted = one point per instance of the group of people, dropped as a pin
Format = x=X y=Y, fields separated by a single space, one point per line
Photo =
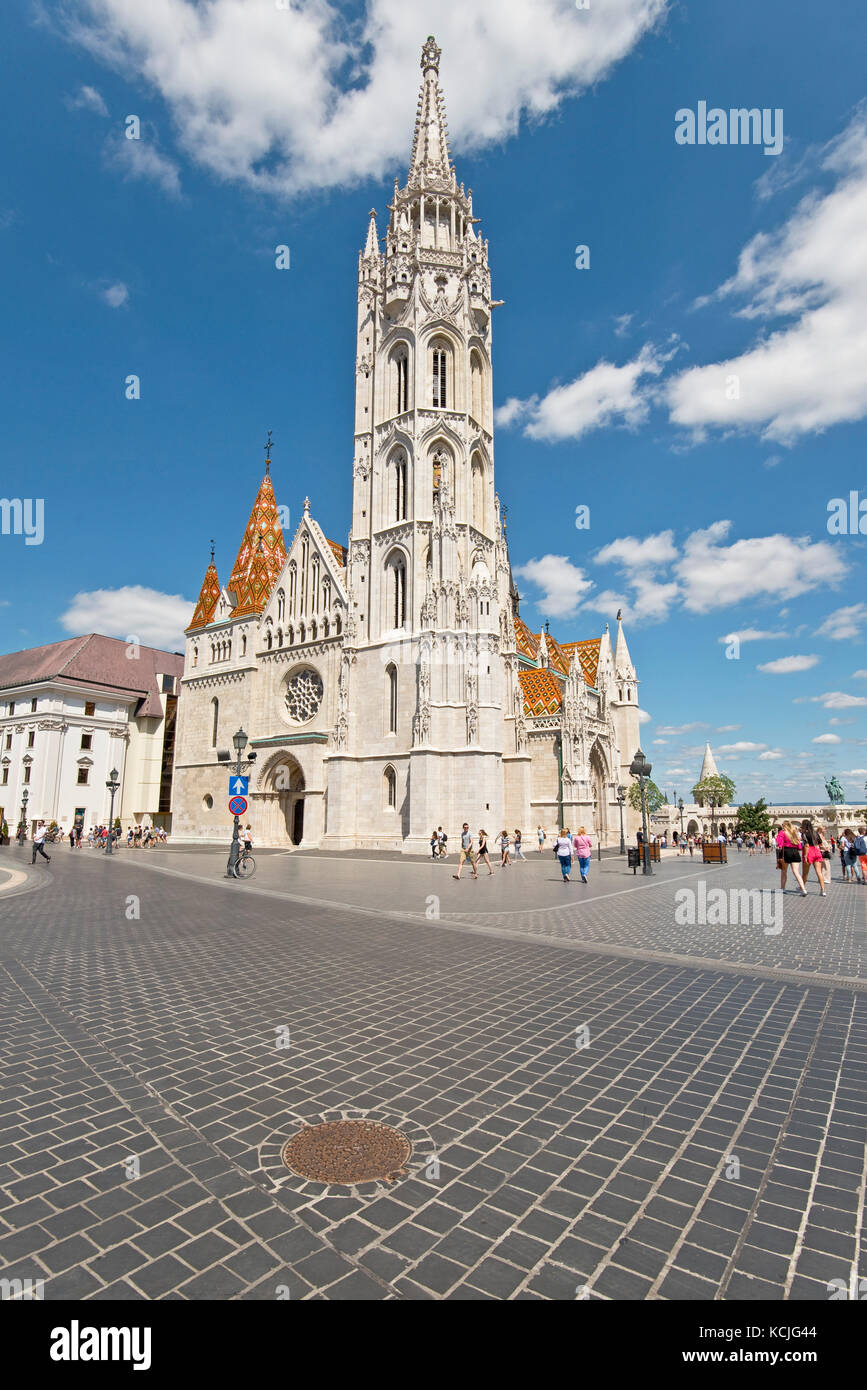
x=806 y=846
x=482 y=854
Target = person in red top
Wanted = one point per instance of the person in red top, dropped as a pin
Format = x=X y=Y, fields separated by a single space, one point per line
x=789 y=855
x=583 y=849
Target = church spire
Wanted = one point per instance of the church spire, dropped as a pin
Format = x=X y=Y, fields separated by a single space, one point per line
x=708 y=767
x=372 y=245
x=622 y=659
x=209 y=595
x=261 y=556
x=430 y=147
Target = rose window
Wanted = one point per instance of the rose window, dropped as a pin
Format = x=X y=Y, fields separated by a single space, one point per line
x=304 y=695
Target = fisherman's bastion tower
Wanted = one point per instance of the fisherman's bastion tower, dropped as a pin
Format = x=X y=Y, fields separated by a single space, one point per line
x=390 y=686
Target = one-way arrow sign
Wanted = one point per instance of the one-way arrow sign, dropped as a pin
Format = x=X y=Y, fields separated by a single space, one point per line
x=238 y=786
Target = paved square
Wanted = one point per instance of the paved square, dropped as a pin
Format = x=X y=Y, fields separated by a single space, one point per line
x=602 y=1103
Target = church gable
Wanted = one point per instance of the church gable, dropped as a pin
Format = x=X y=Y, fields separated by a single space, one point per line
x=309 y=601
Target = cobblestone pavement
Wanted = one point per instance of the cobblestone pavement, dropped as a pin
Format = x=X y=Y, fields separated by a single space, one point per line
x=707 y=1142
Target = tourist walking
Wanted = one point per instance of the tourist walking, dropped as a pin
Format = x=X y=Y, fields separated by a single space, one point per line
x=789 y=855
x=563 y=851
x=583 y=849
x=39 y=843
x=848 y=857
x=541 y=837
x=519 y=847
x=434 y=845
x=505 y=860
x=466 y=851
x=813 y=843
x=483 y=854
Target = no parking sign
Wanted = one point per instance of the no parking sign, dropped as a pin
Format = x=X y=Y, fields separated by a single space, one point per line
x=237 y=805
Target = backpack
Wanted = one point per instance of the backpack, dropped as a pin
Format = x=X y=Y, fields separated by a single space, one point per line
x=860 y=844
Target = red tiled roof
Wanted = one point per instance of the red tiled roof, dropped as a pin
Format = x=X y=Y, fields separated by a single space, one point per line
x=526 y=643
x=208 y=599
x=339 y=552
x=95 y=660
x=541 y=692
x=588 y=656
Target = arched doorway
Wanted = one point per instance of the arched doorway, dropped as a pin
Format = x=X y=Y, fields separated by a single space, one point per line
x=692 y=827
x=599 y=792
x=282 y=786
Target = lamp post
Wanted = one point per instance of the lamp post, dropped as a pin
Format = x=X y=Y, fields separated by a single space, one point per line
x=641 y=769
x=680 y=808
x=712 y=816
x=240 y=741
x=22 y=829
x=621 y=797
x=112 y=784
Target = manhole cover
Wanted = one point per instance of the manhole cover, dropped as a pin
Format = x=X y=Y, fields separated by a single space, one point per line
x=348 y=1151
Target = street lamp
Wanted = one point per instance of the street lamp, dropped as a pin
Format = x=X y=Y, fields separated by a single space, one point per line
x=680 y=808
x=713 y=804
x=112 y=785
x=240 y=741
x=621 y=797
x=22 y=829
x=641 y=769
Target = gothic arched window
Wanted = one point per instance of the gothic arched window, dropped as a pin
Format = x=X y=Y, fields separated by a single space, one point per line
x=293 y=584
x=281 y=605
x=476 y=383
x=195 y=656
x=391 y=679
x=397 y=486
x=441 y=370
x=399 y=380
x=243 y=644
x=395 y=613
x=215 y=725
x=478 y=492
x=390 y=788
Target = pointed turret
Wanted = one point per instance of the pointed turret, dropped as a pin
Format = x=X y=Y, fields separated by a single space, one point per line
x=708 y=767
x=371 y=247
x=430 y=157
x=622 y=660
x=209 y=595
x=261 y=556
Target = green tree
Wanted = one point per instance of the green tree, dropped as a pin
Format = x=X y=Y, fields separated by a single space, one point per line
x=720 y=789
x=753 y=818
x=653 y=797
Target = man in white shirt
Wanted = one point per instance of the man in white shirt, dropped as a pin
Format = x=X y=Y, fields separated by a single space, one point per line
x=39 y=843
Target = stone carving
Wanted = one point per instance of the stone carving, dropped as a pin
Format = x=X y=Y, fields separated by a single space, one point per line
x=304 y=693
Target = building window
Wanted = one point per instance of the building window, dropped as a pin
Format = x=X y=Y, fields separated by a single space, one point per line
x=396 y=591
x=400 y=382
x=281 y=605
x=215 y=724
x=390 y=780
x=391 y=676
x=11 y=706
x=476 y=383
x=397 y=486
x=87 y=742
x=478 y=492
x=31 y=738
x=83 y=775
x=27 y=772
x=195 y=657
x=8 y=741
x=90 y=708
x=243 y=644
x=32 y=706
x=440 y=377
x=5 y=777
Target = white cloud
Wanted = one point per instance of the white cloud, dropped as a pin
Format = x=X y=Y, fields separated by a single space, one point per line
x=854 y=772
x=786 y=665
x=115 y=295
x=833 y=699
x=140 y=159
x=859 y=675
x=563 y=584
x=828 y=738
x=771 y=755
x=156 y=619
x=644 y=717
x=811 y=372
x=605 y=395
x=89 y=99
x=673 y=730
x=728 y=728
x=714 y=575
x=621 y=324
x=844 y=623
x=751 y=634
x=726 y=749
x=315 y=95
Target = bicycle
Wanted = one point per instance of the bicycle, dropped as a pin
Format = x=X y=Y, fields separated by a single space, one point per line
x=245 y=865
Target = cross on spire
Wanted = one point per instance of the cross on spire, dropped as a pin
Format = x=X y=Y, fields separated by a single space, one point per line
x=268 y=453
x=212 y=550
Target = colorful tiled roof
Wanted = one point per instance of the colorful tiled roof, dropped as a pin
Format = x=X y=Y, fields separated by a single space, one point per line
x=262 y=554
x=541 y=692
x=557 y=656
x=339 y=552
x=208 y=599
x=588 y=656
x=526 y=643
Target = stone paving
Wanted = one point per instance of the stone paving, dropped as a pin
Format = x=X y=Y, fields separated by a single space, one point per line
x=585 y=1124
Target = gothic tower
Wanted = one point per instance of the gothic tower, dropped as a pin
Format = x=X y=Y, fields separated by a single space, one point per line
x=428 y=568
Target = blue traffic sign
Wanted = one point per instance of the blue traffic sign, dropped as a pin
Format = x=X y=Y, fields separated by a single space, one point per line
x=237 y=805
x=239 y=786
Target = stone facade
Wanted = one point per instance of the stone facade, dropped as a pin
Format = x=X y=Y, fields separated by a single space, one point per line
x=391 y=686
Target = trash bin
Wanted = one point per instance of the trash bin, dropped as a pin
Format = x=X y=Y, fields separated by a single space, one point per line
x=633 y=855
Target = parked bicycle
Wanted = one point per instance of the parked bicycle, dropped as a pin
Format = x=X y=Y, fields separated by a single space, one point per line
x=245 y=865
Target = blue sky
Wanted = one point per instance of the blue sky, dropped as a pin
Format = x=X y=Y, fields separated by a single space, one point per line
x=614 y=384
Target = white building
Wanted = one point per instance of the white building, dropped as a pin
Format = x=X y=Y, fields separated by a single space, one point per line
x=72 y=712
x=390 y=686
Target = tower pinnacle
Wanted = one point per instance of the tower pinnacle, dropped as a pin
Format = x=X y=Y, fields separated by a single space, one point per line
x=430 y=147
